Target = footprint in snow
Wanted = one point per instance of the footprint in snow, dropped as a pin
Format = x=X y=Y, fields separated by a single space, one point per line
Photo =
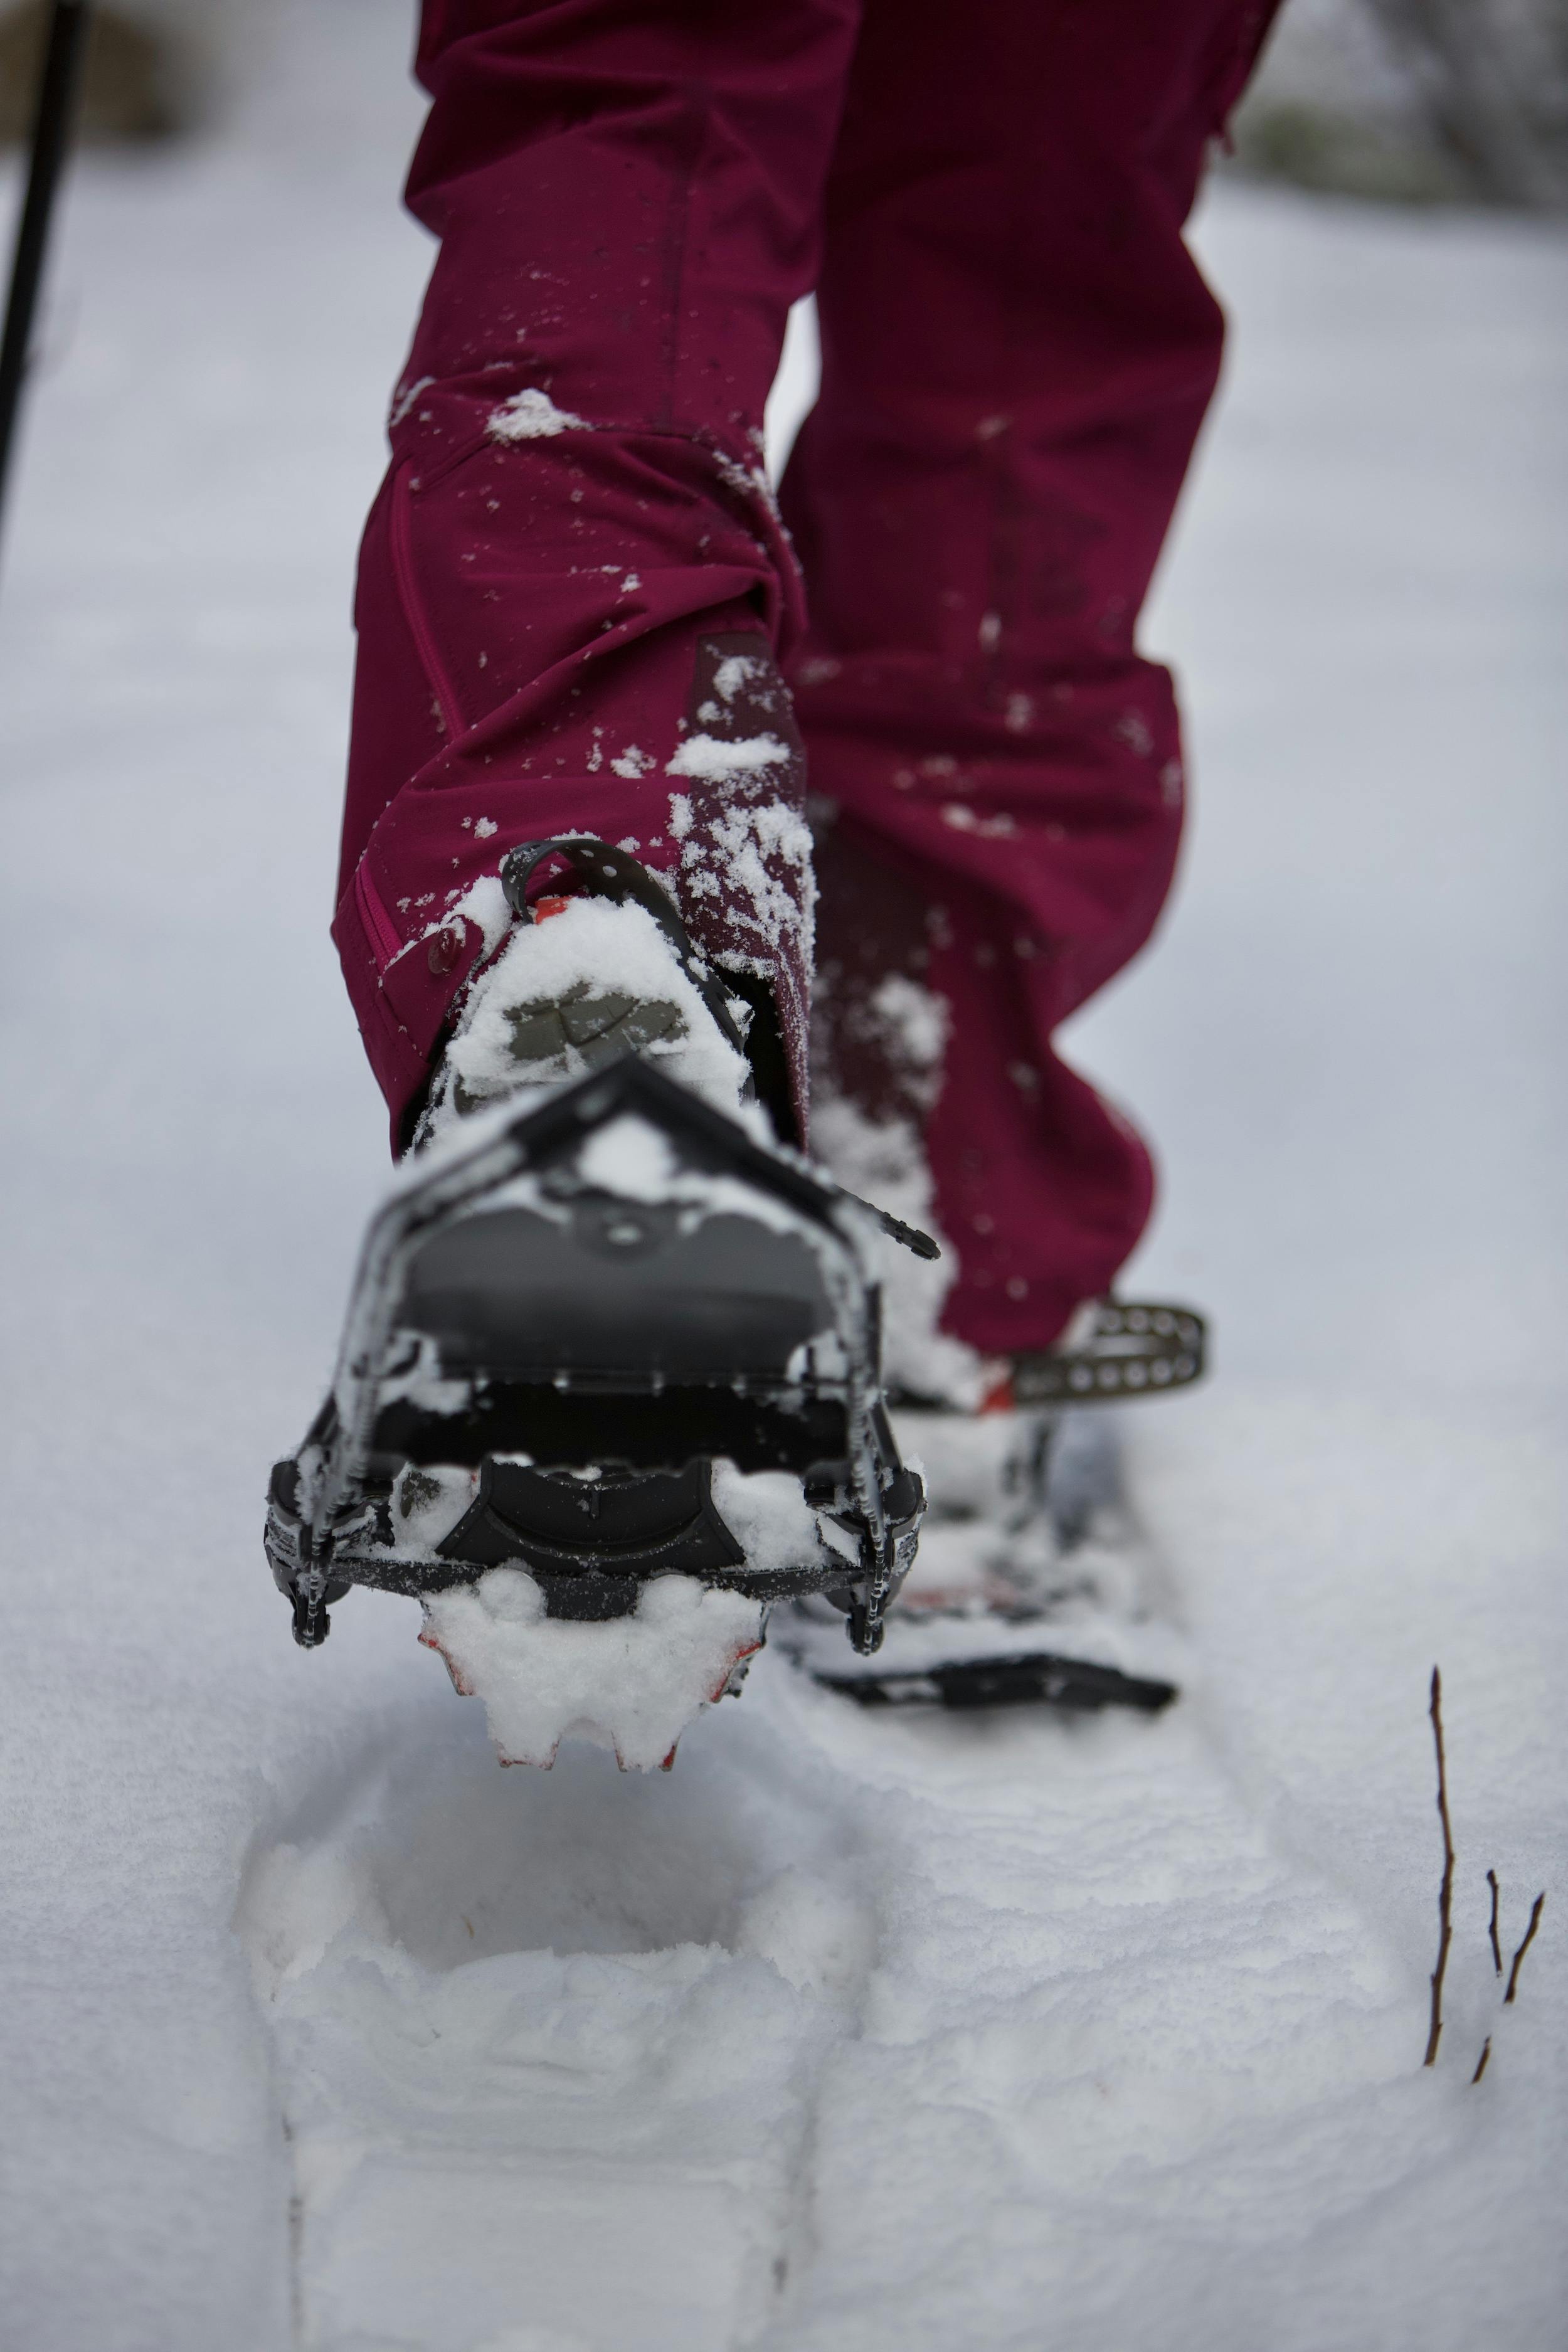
x=548 y=2047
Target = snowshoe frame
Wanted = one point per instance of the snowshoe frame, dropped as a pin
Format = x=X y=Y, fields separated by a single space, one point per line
x=329 y=1522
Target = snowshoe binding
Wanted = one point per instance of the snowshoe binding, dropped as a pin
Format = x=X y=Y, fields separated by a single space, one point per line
x=609 y=1387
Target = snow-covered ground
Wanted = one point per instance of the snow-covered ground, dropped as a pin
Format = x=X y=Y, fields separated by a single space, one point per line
x=851 y=2033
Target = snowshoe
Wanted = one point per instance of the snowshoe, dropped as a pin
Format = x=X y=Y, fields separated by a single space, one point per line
x=1032 y=1583
x=609 y=1388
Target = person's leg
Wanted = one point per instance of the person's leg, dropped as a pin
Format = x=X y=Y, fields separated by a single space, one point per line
x=1017 y=351
x=573 y=584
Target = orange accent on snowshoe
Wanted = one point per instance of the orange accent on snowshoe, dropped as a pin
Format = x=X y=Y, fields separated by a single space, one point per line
x=747 y=1650
x=460 y=1684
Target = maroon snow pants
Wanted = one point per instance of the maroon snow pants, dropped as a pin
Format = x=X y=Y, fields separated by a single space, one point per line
x=574 y=583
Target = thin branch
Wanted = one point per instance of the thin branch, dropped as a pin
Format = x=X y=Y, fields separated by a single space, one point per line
x=1446 y=1892
x=1491 y=1924
x=1529 y=1940
x=1481 y=2061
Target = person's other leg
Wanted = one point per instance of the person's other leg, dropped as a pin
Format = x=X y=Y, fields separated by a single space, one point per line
x=1018 y=351
x=573 y=586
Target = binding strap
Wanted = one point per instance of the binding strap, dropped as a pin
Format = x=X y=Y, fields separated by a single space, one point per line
x=1134 y=1350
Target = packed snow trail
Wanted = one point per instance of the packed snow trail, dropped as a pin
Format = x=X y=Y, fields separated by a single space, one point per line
x=853 y=2032
x=550 y=2045
x=814 y=2033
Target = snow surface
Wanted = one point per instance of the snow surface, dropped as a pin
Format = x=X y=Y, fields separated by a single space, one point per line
x=850 y=2032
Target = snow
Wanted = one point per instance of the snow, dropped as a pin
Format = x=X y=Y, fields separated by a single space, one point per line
x=919 y=1019
x=590 y=952
x=883 y=1161
x=532 y=415
x=765 y=1511
x=717 y=759
x=630 y=1159
x=752 y=856
x=964 y=819
x=404 y=398
x=852 y=2032
x=428 y=1500
x=632 y=1685
x=420 y=1382
x=632 y=763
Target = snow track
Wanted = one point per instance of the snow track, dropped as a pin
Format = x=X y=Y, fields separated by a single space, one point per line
x=552 y=2043
x=808 y=2042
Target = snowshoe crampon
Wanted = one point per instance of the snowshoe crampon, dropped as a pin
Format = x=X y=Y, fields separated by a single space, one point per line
x=596 y=1344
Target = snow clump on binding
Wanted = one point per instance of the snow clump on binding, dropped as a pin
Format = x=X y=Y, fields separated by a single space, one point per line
x=632 y=1683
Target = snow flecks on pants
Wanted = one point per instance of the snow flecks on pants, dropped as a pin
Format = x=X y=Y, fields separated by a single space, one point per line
x=484 y=904
x=964 y=819
x=744 y=843
x=718 y=759
x=404 y=399
x=748 y=857
x=532 y=415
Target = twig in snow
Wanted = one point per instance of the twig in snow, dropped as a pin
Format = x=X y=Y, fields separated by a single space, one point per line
x=1529 y=1940
x=1491 y=1930
x=1446 y=1892
x=1481 y=2061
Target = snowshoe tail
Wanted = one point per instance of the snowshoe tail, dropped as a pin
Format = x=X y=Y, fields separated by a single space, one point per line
x=1029 y=1544
x=1023 y=1678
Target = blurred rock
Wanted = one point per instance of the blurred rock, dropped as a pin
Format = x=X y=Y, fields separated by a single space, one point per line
x=155 y=70
x=1414 y=102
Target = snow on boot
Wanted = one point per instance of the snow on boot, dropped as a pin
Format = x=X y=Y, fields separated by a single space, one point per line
x=583 y=980
x=609 y=1386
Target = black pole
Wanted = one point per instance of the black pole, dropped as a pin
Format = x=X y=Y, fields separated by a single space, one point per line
x=51 y=134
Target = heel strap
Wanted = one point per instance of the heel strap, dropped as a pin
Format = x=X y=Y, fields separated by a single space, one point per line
x=1134 y=1350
